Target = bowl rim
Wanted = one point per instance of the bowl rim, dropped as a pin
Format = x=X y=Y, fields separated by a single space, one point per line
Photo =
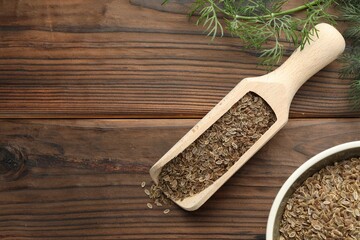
x=295 y=175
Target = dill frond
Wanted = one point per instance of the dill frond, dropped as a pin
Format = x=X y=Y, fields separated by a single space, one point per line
x=256 y=23
x=351 y=58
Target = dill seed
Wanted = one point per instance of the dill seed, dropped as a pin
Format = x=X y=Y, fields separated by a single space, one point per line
x=143 y=184
x=149 y=205
x=147 y=192
x=326 y=205
x=355 y=195
x=166 y=211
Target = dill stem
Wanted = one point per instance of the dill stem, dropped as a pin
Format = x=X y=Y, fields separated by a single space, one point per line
x=289 y=11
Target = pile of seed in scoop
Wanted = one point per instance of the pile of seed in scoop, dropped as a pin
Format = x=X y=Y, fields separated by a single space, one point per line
x=217 y=149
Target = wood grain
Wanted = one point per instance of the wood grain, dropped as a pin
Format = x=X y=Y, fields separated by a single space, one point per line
x=130 y=59
x=81 y=180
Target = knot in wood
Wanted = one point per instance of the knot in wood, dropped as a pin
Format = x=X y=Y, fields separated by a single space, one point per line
x=12 y=162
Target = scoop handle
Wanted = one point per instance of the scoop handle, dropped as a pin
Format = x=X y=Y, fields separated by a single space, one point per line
x=326 y=45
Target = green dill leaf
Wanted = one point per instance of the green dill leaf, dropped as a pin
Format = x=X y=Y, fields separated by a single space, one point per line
x=350 y=10
x=165 y=2
x=273 y=55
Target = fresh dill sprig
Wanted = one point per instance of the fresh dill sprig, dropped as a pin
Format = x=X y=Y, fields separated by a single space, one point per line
x=209 y=18
x=257 y=22
x=351 y=58
x=351 y=70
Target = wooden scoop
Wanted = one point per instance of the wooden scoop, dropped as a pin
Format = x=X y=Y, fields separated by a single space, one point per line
x=277 y=88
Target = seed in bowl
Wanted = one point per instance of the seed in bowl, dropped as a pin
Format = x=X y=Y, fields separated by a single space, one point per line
x=326 y=205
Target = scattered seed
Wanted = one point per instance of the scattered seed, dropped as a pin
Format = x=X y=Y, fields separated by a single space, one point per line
x=158 y=204
x=143 y=184
x=147 y=192
x=166 y=211
x=149 y=205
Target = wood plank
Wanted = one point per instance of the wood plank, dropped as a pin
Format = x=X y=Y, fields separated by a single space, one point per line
x=130 y=59
x=82 y=179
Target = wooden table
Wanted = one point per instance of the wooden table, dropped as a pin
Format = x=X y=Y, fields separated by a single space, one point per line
x=95 y=92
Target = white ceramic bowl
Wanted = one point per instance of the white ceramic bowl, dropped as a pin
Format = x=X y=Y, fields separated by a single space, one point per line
x=313 y=165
